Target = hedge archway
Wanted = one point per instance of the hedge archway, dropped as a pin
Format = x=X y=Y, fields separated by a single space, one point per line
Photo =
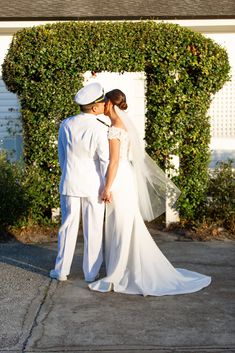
x=45 y=67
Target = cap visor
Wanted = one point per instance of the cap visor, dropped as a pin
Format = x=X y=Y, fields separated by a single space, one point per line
x=102 y=99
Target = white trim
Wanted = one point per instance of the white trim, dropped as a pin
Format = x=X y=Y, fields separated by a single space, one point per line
x=222 y=143
x=220 y=25
x=206 y=26
x=11 y=27
x=22 y=24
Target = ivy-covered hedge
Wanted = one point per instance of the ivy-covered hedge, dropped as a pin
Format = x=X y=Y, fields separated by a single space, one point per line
x=45 y=67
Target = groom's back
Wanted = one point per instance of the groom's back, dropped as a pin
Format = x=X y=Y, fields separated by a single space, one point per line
x=83 y=145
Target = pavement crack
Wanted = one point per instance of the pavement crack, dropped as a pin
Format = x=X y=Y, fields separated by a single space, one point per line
x=47 y=294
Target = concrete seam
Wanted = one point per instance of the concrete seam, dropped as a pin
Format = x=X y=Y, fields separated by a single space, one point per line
x=173 y=349
x=35 y=323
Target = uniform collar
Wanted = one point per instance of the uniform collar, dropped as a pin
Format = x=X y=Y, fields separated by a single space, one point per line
x=93 y=117
x=87 y=115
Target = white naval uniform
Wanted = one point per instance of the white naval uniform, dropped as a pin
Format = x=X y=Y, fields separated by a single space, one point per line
x=83 y=155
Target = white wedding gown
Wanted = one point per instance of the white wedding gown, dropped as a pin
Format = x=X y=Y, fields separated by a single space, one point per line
x=134 y=263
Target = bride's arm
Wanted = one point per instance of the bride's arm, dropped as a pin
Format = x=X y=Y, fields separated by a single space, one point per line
x=114 y=151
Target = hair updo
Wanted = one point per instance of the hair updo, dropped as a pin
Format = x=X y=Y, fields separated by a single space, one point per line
x=118 y=98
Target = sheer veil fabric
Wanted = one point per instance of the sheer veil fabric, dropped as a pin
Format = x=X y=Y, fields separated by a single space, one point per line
x=155 y=189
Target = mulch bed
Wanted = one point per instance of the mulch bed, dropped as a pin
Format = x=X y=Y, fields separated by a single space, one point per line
x=46 y=234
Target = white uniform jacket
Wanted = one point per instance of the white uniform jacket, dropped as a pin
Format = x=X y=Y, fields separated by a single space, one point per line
x=83 y=155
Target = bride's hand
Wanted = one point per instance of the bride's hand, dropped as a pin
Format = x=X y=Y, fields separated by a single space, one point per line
x=106 y=196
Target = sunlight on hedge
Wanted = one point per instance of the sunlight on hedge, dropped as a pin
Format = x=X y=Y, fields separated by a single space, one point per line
x=45 y=67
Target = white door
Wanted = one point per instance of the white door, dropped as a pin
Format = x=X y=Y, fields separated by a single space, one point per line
x=133 y=85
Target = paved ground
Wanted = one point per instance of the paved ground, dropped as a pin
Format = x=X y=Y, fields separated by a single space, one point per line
x=38 y=314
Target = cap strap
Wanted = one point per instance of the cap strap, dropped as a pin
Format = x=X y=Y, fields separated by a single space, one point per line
x=101 y=121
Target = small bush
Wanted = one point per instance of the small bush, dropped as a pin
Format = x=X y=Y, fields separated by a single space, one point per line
x=215 y=218
x=220 y=207
x=14 y=205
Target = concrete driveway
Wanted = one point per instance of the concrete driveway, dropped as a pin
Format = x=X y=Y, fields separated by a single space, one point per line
x=38 y=314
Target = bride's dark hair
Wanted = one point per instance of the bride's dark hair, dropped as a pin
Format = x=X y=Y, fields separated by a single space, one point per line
x=118 y=98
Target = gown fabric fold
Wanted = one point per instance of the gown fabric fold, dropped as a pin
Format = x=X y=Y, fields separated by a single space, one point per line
x=134 y=263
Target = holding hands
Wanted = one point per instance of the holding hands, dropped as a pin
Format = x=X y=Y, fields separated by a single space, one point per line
x=106 y=195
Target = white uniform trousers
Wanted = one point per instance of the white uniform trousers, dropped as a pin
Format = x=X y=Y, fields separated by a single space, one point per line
x=93 y=217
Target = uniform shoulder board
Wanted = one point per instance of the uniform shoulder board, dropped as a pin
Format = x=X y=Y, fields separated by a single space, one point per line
x=102 y=122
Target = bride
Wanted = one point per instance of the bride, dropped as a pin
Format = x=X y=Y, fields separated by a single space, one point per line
x=135 y=191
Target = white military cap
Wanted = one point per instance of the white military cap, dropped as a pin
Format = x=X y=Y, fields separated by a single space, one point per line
x=91 y=93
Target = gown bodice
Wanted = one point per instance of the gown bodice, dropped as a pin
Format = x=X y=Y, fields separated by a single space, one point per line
x=122 y=135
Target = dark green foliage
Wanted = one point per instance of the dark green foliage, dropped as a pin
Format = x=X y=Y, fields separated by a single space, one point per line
x=15 y=204
x=220 y=206
x=44 y=66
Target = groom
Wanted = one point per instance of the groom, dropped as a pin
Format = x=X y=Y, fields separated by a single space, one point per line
x=83 y=156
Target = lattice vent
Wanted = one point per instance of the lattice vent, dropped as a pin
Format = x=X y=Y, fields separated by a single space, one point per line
x=222 y=111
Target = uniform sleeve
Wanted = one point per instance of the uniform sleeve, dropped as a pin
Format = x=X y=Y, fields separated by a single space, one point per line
x=61 y=150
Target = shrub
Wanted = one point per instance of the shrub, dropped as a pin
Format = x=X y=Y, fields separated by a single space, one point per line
x=14 y=205
x=45 y=67
x=220 y=207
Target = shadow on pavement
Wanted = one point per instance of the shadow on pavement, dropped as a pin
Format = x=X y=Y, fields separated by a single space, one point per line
x=35 y=258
